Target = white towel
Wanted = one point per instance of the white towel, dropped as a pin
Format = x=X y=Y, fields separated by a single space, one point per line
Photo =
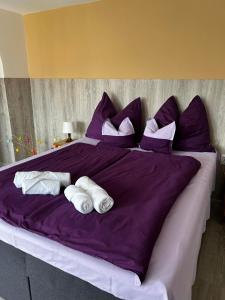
x=63 y=178
x=102 y=201
x=39 y=186
x=80 y=199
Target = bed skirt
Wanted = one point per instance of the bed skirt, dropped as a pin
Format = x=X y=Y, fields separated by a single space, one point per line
x=23 y=277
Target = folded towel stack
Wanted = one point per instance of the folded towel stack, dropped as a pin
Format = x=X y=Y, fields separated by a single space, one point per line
x=85 y=195
x=36 y=182
x=40 y=187
x=63 y=178
x=86 y=190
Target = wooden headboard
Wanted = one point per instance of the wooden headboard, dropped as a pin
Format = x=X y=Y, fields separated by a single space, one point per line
x=58 y=100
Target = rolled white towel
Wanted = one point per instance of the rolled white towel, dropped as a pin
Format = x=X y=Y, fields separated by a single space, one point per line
x=63 y=178
x=21 y=176
x=101 y=199
x=38 y=186
x=80 y=199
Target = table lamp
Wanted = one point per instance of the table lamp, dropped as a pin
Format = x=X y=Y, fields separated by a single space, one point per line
x=68 y=128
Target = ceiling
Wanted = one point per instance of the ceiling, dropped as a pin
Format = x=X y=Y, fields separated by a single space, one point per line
x=30 y=6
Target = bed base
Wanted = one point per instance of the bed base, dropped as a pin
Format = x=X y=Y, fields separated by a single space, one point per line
x=24 y=277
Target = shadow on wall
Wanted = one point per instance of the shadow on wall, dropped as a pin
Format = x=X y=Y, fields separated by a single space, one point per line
x=80 y=129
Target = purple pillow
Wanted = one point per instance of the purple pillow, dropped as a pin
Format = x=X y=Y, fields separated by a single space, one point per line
x=167 y=113
x=105 y=110
x=158 y=139
x=122 y=137
x=127 y=141
x=193 y=129
x=133 y=112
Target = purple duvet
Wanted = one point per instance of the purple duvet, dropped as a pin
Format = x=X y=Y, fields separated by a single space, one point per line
x=143 y=185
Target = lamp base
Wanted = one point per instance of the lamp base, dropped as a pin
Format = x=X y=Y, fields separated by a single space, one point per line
x=68 y=140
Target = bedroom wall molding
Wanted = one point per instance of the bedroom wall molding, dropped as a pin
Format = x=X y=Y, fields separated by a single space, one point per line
x=57 y=100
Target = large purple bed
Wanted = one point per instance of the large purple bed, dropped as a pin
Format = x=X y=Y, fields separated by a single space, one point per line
x=144 y=186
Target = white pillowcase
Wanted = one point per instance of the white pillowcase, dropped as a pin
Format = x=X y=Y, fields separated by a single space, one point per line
x=125 y=128
x=152 y=130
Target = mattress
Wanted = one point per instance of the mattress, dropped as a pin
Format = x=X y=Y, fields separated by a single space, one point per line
x=172 y=267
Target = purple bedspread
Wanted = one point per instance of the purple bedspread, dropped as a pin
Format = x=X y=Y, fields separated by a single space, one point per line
x=143 y=185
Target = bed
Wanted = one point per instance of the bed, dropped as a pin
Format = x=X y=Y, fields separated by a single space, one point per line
x=172 y=267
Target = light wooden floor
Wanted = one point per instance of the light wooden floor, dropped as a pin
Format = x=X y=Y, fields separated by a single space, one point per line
x=210 y=280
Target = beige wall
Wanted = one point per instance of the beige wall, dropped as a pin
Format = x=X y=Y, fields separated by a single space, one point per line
x=165 y=39
x=12 y=45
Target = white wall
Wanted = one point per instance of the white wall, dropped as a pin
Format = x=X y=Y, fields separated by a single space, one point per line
x=12 y=45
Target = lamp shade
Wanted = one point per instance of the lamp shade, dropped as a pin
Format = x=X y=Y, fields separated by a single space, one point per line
x=67 y=127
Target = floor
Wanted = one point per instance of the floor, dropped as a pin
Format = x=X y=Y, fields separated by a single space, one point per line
x=210 y=279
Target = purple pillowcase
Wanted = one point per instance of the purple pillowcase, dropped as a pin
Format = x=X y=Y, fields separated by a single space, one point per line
x=122 y=137
x=105 y=110
x=193 y=129
x=127 y=141
x=134 y=113
x=156 y=145
x=167 y=113
x=158 y=140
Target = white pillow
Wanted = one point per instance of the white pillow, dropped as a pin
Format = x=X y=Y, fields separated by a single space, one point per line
x=152 y=130
x=125 y=128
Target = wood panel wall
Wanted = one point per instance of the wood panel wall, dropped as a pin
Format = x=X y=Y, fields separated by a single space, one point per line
x=6 y=149
x=58 y=100
x=38 y=107
x=18 y=93
x=16 y=119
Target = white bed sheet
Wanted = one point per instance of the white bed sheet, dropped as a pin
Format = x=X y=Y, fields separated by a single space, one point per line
x=173 y=263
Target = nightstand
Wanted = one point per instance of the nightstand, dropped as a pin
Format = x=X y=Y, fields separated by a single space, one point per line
x=60 y=143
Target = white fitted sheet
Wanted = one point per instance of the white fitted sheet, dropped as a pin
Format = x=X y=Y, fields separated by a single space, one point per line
x=173 y=263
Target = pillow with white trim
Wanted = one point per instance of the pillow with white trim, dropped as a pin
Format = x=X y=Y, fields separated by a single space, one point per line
x=123 y=137
x=158 y=140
